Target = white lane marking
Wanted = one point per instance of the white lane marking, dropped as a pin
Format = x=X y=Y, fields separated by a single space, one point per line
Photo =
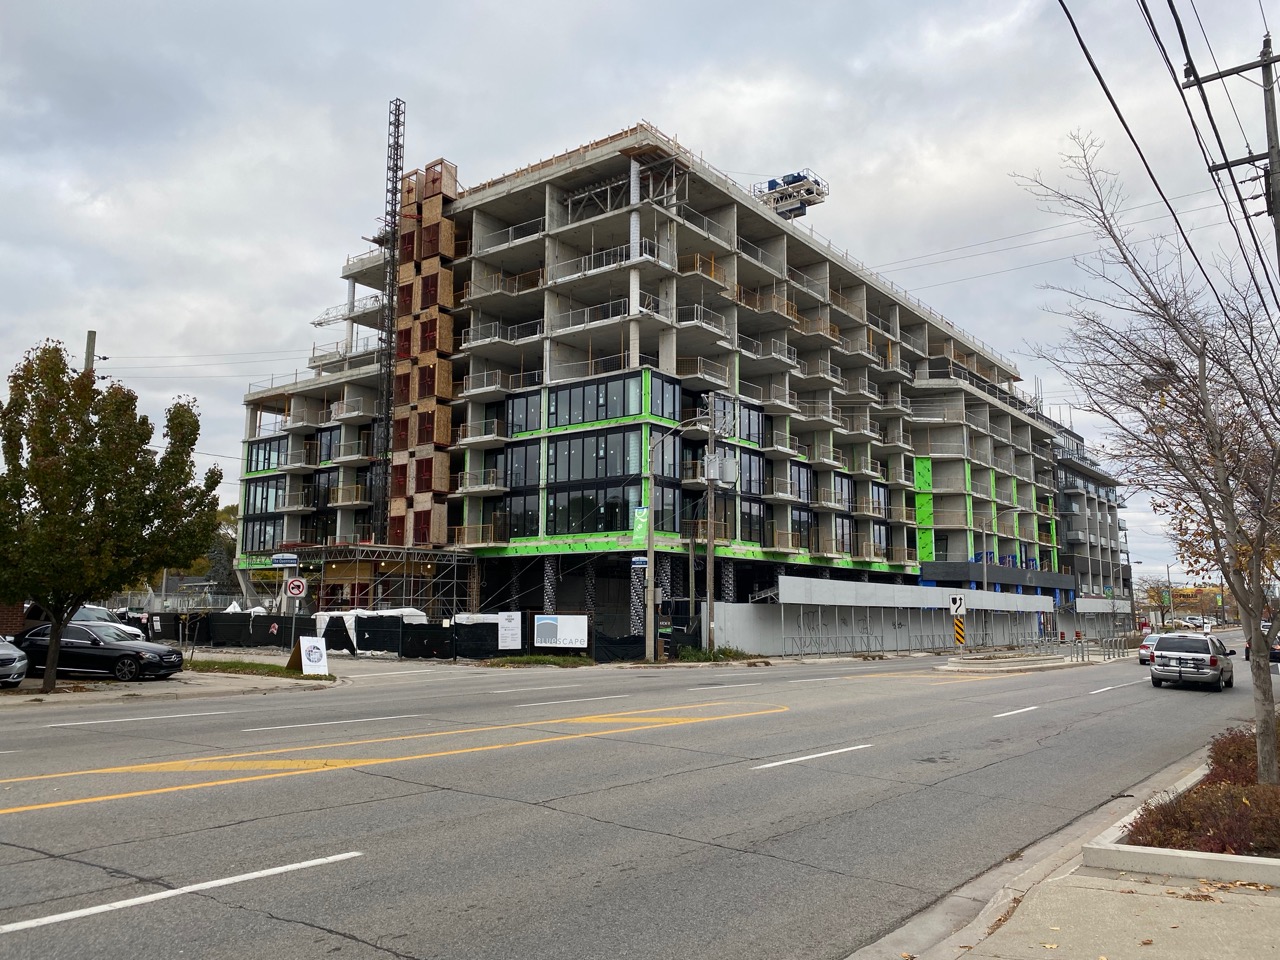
x=168 y=716
x=549 y=703
x=1116 y=687
x=329 y=723
x=1012 y=712
x=176 y=892
x=559 y=686
x=815 y=679
x=725 y=686
x=387 y=673
x=812 y=756
x=8 y=751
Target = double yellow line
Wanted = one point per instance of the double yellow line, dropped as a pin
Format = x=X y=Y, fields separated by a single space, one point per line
x=275 y=766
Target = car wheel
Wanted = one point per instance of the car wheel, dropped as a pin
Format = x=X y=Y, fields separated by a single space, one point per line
x=1221 y=684
x=1157 y=683
x=1232 y=681
x=126 y=669
x=10 y=683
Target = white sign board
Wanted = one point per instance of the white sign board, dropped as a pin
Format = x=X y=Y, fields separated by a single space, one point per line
x=315 y=658
x=295 y=587
x=957 y=604
x=554 y=630
x=509 y=631
x=284 y=559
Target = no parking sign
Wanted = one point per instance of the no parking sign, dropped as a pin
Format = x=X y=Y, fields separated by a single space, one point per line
x=295 y=587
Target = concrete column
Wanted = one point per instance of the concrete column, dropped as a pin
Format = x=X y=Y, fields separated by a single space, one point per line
x=637 y=601
x=589 y=586
x=550 y=571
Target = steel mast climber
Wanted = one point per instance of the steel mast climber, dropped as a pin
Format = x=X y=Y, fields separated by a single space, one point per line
x=390 y=240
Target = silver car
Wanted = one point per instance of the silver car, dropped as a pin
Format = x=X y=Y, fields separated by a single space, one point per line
x=1191 y=658
x=13 y=664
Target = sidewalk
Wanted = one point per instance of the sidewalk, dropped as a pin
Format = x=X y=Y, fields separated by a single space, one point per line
x=1061 y=909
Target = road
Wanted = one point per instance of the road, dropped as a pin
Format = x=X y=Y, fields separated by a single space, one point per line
x=433 y=810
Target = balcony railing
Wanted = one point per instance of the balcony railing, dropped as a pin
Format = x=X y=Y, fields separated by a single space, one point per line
x=349 y=495
x=510 y=284
x=478 y=429
x=699 y=263
x=696 y=315
x=698 y=530
x=478 y=534
x=521 y=231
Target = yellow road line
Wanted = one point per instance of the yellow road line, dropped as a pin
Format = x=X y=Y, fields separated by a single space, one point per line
x=318 y=766
x=601 y=718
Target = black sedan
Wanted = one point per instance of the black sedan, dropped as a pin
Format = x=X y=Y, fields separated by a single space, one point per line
x=100 y=648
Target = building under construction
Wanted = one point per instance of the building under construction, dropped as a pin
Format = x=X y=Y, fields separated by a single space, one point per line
x=620 y=353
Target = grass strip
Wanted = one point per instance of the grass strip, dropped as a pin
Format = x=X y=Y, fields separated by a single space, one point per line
x=252 y=668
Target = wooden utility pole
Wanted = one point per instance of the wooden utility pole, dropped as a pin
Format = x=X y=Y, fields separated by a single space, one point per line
x=1266 y=60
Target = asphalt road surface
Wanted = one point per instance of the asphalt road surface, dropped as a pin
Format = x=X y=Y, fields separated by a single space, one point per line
x=433 y=810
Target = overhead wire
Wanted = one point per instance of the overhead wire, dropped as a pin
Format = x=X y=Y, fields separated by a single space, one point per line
x=1218 y=69
x=1257 y=244
x=1146 y=164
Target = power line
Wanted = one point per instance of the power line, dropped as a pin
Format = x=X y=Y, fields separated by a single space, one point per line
x=1028 y=233
x=1205 y=152
x=1097 y=73
x=1218 y=69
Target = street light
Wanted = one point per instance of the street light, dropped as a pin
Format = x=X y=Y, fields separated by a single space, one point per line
x=1133 y=596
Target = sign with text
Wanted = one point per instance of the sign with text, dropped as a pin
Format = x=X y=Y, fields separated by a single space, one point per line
x=555 y=630
x=509 y=631
x=315 y=658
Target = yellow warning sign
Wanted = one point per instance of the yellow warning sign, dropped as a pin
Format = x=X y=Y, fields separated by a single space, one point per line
x=959 y=628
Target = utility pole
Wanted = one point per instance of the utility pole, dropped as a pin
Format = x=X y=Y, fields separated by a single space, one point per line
x=1265 y=61
x=711 y=470
x=90 y=346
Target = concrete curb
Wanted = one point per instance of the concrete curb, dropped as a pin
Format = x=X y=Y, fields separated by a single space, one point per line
x=1014 y=665
x=1108 y=852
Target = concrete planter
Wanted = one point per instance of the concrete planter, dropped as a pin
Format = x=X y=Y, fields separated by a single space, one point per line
x=1109 y=852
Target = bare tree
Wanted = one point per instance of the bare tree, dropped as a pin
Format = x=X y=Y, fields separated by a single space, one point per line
x=1185 y=373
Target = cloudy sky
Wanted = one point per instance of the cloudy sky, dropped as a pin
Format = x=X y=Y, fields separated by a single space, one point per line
x=187 y=178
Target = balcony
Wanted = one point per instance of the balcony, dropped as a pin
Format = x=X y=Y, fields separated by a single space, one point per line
x=481 y=534
x=780 y=400
x=901 y=477
x=298 y=501
x=488 y=385
x=817 y=332
x=902 y=514
x=780 y=541
x=826 y=457
x=357 y=410
x=353 y=453
x=780 y=445
x=698 y=318
x=897 y=438
x=510 y=235
x=775 y=356
x=300 y=462
x=476 y=483
x=817 y=412
x=494 y=332
x=828 y=501
x=302 y=421
x=858 y=427
x=699 y=373
x=483 y=434
x=902 y=555
x=868 y=468
x=871 y=552
x=866 y=507
x=693 y=474
x=503 y=285
x=780 y=490
x=888 y=369
x=697 y=263
x=698 y=530
x=351 y=496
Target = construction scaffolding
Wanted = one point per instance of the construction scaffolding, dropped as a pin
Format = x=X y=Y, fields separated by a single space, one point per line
x=440 y=583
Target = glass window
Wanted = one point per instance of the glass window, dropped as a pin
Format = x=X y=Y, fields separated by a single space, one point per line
x=265 y=454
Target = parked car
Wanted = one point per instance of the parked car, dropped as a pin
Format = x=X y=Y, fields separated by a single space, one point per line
x=1144 y=649
x=13 y=664
x=1191 y=658
x=1275 y=644
x=88 y=613
x=100 y=648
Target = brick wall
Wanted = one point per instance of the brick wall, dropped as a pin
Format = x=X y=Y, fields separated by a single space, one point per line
x=11 y=620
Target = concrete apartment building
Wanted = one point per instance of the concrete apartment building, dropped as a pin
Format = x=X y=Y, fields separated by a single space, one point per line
x=1095 y=547
x=621 y=327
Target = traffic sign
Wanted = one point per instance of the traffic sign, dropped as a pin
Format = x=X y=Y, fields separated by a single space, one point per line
x=958 y=626
x=295 y=587
x=957 y=604
x=284 y=559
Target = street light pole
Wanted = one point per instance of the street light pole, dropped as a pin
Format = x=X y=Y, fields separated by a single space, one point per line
x=1168 y=578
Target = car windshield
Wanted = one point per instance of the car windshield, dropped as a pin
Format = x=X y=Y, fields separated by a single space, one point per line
x=94 y=615
x=1182 y=645
x=113 y=633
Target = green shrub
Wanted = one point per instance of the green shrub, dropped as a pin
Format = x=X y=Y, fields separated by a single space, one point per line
x=540 y=660
x=697 y=655
x=1214 y=818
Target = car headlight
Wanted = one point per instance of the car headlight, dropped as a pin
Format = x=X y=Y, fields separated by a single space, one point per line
x=155 y=657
